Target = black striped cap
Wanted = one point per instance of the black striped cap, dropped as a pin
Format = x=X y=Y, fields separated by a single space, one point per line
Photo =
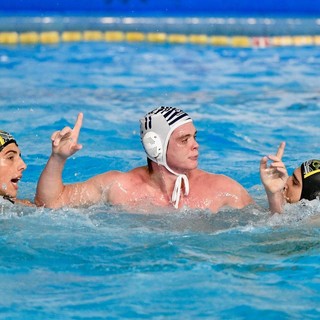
x=5 y=139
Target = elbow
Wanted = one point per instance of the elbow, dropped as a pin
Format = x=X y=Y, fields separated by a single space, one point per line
x=38 y=201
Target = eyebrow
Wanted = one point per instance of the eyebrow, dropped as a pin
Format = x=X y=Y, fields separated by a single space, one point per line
x=9 y=151
x=188 y=135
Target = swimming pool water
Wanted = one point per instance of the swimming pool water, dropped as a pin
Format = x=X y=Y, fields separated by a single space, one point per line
x=102 y=263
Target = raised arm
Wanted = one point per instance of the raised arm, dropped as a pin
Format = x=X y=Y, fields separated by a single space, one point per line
x=51 y=192
x=274 y=179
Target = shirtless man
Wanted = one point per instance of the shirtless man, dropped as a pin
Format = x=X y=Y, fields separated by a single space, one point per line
x=281 y=189
x=171 y=178
x=11 y=168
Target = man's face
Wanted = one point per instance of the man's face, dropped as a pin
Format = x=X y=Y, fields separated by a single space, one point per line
x=11 y=168
x=183 y=149
x=293 y=186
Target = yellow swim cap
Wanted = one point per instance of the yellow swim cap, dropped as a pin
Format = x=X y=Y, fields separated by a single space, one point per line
x=5 y=139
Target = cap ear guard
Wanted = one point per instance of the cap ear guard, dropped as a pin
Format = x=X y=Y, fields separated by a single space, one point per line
x=152 y=144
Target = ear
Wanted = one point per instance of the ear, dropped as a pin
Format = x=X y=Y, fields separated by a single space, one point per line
x=152 y=144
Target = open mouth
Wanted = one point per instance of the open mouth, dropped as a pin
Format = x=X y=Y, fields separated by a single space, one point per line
x=15 y=181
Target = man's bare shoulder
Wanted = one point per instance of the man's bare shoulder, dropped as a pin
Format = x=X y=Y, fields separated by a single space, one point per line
x=135 y=175
x=217 y=182
x=210 y=178
x=224 y=190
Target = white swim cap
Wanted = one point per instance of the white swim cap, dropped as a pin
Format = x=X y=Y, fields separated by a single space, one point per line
x=155 y=131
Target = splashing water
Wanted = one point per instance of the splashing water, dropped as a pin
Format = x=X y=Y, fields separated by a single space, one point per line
x=101 y=262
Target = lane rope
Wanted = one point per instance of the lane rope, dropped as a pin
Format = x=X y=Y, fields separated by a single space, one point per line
x=54 y=37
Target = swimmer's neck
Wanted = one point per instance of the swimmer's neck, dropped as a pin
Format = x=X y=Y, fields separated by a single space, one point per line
x=162 y=177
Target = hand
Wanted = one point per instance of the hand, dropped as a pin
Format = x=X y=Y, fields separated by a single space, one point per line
x=275 y=176
x=65 y=142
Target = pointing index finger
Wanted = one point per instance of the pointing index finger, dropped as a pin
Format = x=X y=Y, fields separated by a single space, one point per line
x=280 y=151
x=78 y=124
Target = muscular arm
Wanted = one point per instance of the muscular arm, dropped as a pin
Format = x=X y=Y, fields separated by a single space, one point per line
x=226 y=192
x=51 y=192
x=238 y=197
x=50 y=186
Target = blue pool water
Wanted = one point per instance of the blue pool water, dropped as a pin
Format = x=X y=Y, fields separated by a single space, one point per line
x=101 y=263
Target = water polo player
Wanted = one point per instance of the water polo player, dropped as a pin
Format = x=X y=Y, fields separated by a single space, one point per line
x=280 y=188
x=171 y=178
x=11 y=166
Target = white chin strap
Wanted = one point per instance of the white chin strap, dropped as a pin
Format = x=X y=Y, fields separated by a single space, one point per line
x=175 y=198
